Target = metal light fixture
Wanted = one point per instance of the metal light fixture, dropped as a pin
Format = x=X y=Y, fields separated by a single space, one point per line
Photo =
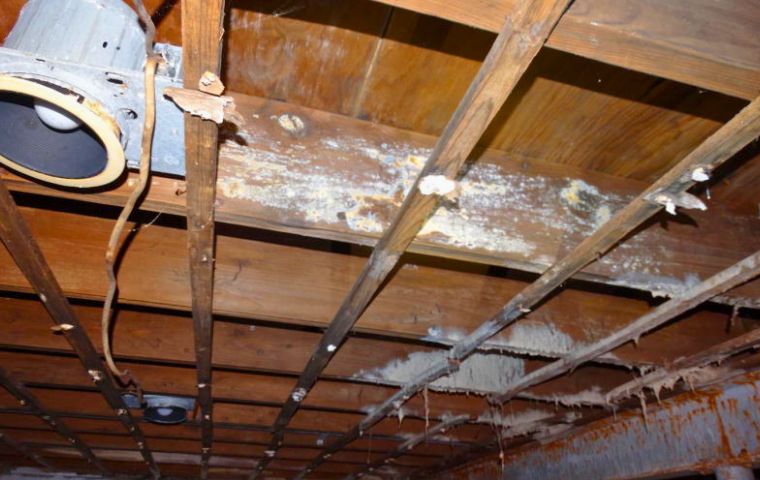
x=72 y=94
x=163 y=409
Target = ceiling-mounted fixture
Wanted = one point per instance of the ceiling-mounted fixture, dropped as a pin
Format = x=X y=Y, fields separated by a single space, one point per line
x=72 y=94
x=165 y=409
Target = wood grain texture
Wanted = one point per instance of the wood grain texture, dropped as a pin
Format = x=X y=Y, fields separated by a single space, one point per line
x=306 y=52
x=26 y=253
x=683 y=40
x=716 y=150
x=514 y=49
x=722 y=281
x=202 y=52
x=343 y=179
x=28 y=400
x=301 y=285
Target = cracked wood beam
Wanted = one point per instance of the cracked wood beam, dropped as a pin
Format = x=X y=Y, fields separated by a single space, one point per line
x=696 y=42
x=409 y=445
x=20 y=243
x=25 y=451
x=27 y=399
x=714 y=151
x=677 y=369
x=519 y=41
x=202 y=31
x=729 y=278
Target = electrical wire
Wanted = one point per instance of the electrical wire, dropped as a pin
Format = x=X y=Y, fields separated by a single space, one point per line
x=149 y=122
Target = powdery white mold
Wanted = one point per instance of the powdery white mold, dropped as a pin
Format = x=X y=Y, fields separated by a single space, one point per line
x=480 y=373
x=525 y=337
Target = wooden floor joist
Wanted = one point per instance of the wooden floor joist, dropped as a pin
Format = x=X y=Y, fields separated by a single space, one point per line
x=639 y=35
x=733 y=276
x=24 y=450
x=668 y=191
x=409 y=445
x=20 y=242
x=202 y=29
x=680 y=368
x=514 y=49
x=28 y=400
x=499 y=194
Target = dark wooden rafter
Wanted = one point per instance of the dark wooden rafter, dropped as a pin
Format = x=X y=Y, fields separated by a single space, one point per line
x=521 y=38
x=29 y=400
x=719 y=283
x=24 y=450
x=713 y=152
x=409 y=445
x=202 y=52
x=18 y=239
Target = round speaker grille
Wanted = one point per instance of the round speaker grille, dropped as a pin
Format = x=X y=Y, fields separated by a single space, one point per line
x=90 y=155
x=25 y=140
x=165 y=414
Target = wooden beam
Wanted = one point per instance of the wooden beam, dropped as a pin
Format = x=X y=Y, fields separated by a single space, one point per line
x=28 y=400
x=242 y=393
x=409 y=445
x=680 y=368
x=202 y=32
x=518 y=42
x=698 y=42
x=723 y=281
x=18 y=239
x=672 y=186
x=451 y=299
x=274 y=179
x=25 y=451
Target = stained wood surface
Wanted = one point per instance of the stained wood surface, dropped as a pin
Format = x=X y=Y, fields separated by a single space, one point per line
x=710 y=155
x=509 y=57
x=420 y=297
x=347 y=158
x=702 y=43
x=414 y=75
x=202 y=42
x=27 y=399
x=33 y=266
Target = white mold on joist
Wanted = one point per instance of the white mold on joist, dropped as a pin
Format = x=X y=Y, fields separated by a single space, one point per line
x=591 y=397
x=593 y=207
x=528 y=337
x=480 y=373
x=350 y=184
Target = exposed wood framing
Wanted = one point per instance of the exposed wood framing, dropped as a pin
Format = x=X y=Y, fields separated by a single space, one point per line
x=721 y=282
x=24 y=450
x=459 y=299
x=28 y=400
x=498 y=194
x=718 y=148
x=668 y=42
x=409 y=445
x=518 y=42
x=20 y=242
x=680 y=368
x=202 y=29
